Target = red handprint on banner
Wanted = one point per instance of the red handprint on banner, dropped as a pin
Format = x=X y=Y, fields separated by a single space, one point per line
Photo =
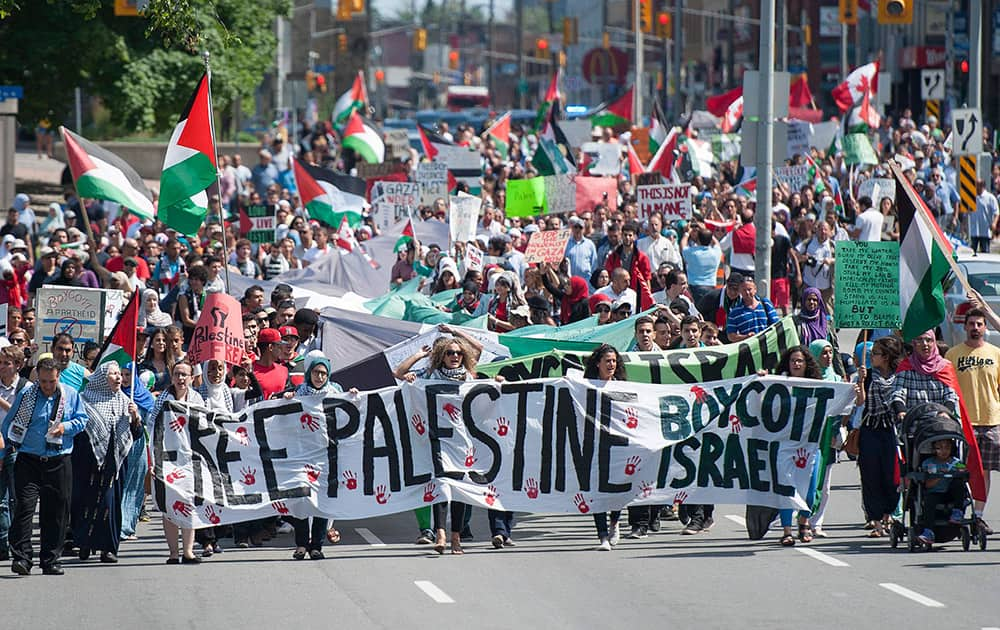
x=249 y=476
x=734 y=424
x=470 y=456
x=350 y=480
x=581 y=503
x=503 y=425
x=309 y=422
x=452 y=411
x=429 y=495
x=631 y=419
x=182 y=508
x=381 y=496
x=212 y=515
x=680 y=497
x=491 y=495
x=178 y=423
x=645 y=489
x=312 y=473
x=280 y=507
x=800 y=458
x=418 y=424
x=242 y=436
x=531 y=488
x=174 y=475
x=699 y=394
x=631 y=464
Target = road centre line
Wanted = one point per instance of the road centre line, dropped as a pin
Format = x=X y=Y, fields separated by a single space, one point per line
x=911 y=595
x=369 y=537
x=431 y=590
x=822 y=557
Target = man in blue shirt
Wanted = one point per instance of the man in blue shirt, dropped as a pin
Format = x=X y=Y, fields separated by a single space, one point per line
x=41 y=425
x=580 y=250
x=71 y=374
x=751 y=315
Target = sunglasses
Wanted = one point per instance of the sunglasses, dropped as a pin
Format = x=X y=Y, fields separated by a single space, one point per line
x=603 y=309
x=453 y=353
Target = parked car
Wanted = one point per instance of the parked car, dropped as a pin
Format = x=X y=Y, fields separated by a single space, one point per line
x=983 y=272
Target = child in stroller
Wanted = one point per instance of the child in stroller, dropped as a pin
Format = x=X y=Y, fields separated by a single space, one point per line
x=945 y=485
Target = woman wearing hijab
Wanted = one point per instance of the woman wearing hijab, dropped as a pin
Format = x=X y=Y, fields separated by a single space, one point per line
x=52 y=222
x=813 y=323
x=150 y=313
x=571 y=291
x=136 y=464
x=877 y=447
x=99 y=454
x=924 y=377
x=822 y=352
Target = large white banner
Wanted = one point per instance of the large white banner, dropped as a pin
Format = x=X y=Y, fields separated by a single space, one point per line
x=549 y=445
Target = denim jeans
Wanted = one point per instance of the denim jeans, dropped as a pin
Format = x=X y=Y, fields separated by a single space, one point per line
x=500 y=523
x=7 y=499
x=133 y=486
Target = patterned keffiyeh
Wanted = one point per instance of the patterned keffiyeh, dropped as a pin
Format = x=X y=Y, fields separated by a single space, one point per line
x=107 y=413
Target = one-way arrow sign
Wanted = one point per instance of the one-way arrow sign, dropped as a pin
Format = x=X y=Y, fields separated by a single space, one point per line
x=931 y=85
x=967 y=132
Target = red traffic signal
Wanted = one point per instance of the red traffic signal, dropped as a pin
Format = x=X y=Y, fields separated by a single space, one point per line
x=542 y=43
x=964 y=66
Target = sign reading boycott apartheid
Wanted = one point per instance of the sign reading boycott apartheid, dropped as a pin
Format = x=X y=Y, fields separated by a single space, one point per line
x=673 y=201
x=85 y=314
x=553 y=445
x=548 y=246
x=867 y=285
x=696 y=365
x=218 y=334
x=432 y=177
x=259 y=224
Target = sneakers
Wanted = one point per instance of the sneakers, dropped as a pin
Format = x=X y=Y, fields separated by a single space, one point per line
x=692 y=528
x=708 y=524
x=926 y=537
x=668 y=514
x=507 y=542
x=637 y=532
x=426 y=537
x=497 y=541
x=605 y=545
x=616 y=535
x=654 y=525
x=956 y=517
x=285 y=528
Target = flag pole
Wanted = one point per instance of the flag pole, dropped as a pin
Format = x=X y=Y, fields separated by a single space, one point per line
x=135 y=349
x=218 y=184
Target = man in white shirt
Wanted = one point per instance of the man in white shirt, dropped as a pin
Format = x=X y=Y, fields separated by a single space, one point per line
x=985 y=221
x=619 y=290
x=868 y=224
x=676 y=288
x=816 y=257
x=657 y=247
x=320 y=246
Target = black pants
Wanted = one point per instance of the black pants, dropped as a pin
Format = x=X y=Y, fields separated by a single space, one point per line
x=643 y=515
x=955 y=497
x=981 y=244
x=49 y=480
x=309 y=537
x=457 y=511
x=697 y=513
x=877 y=461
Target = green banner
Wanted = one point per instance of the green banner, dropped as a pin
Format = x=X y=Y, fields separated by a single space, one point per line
x=858 y=149
x=525 y=197
x=867 y=285
x=696 y=365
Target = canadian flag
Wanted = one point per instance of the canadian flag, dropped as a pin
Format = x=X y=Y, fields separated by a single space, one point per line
x=731 y=118
x=345 y=236
x=861 y=80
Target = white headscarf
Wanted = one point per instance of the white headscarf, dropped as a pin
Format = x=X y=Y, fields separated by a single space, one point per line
x=107 y=417
x=155 y=317
x=218 y=397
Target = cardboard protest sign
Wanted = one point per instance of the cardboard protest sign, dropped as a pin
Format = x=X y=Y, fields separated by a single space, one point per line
x=258 y=223
x=799 y=132
x=560 y=193
x=397 y=143
x=561 y=446
x=433 y=180
x=878 y=188
x=794 y=176
x=525 y=197
x=591 y=191
x=86 y=314
x=548 y=246
x=866 y=285
x=463 y=218
x=673 y=201
x=218 y=334
x=375 y=171
x=393 y=201
x=473 y=258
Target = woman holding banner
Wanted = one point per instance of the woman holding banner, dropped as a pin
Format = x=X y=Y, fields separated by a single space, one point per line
x=605 y=364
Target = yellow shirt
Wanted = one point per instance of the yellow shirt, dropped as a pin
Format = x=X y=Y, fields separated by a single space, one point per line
x=979 y=379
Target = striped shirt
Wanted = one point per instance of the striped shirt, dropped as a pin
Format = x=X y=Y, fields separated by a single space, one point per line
x=750 y=321
x=913 y=388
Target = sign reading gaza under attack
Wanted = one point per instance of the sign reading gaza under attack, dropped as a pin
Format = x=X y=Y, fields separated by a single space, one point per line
x=551 y=445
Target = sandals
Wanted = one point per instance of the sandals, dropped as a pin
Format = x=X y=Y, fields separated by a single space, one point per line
x=456 y=545
x=804 y=534
x=333 y=536
x=877 y=532
x=787 y=540
x=439 y=544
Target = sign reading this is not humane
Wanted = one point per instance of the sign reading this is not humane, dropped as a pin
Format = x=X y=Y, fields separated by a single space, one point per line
x=673 y=201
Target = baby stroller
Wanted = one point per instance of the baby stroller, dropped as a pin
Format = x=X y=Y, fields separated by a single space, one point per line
x=922 y=426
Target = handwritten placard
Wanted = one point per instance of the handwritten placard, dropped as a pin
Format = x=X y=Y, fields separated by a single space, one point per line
x=525 y=197
x=433 y=180
x=794 y=176
x=548 y=246
x=867 y=285
x=673 y=201
x=878 y=188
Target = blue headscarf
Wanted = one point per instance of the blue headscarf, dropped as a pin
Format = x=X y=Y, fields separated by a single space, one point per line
x=865 y=347
x=143 y=399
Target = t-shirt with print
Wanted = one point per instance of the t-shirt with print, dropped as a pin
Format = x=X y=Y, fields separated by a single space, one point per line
x=978 y=379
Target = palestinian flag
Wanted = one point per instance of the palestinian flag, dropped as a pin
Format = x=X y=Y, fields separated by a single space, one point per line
x=658 y=127
x=330 y=197
x=189 y=166
x=500 y=134
x=354 y=99
x=747 y=188
x=859 y=81
x=345 y=236
x=100 y=174
x=120 y=346
x=549 y=109
x=553 y=155
x=923 y=261
x=634 y=163
x=361 y=137
x=663 y=161
x=430 y=141
x=618 y=113
x=696 y=155
x=406 y=237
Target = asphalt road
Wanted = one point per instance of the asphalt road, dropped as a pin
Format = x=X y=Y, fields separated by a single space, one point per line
x=378 y=578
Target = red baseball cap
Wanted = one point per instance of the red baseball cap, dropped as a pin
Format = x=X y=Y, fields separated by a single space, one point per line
x=268 y=335
x=289 y=331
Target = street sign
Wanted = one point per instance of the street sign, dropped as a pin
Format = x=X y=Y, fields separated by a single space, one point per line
x=968 y=132
x=11 y=91
x=324 y=68
x=967 y=183
x=931 y=85
x=884 y=95
x=781 y=84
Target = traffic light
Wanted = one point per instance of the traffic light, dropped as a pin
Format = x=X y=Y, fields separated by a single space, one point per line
x=570 y=31
x=849 y=12
x=420 y=39
x=453 y=59
x=357 y=6
x=964 y=66
x=663 y=24
x=321 y=83
x=310 y=80
x=343 y=10
x=342 y=42
x=380 y=76
x=542 y=47
x=646 y=15
x=895 y=12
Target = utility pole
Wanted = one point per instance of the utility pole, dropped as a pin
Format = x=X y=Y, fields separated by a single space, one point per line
x=519 y=17
x=489 y=59
x=639 y=61
x=783 y=39
x=843 y=50
x=678 y=59
x=765 y=148
x=976 y=54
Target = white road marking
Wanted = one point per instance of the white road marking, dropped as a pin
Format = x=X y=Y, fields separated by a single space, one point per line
x=739 y=520
x=369 y=537
x=822 y=557
x=432 y=591
x=912 y=595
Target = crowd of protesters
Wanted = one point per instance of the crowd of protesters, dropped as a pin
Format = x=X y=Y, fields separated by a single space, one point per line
x=75 y=439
